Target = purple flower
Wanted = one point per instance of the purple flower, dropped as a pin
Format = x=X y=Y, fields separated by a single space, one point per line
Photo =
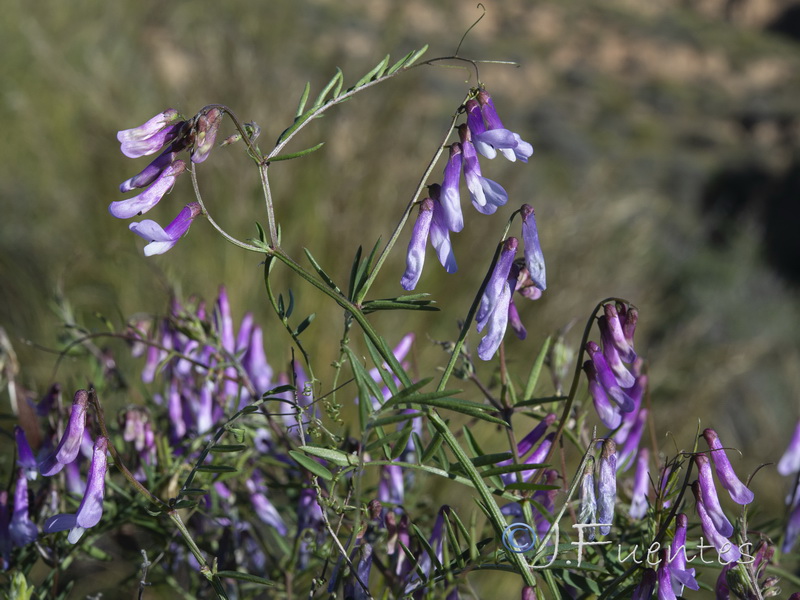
x=91 y=509
x=536 y=458
x=624 y=377
x=494 y=136
x=615 y=334
x=681 y=576
x=160 y=239
x=449 y=196
x=265 y=510
x=665 y=578
x=792 y=529
x=440 y=233
x=255 y=362
x=21 y=529
x=608 y=413
x=70 y=443
x=790 y=461
x=608 y=380
x=493 y=309
x=534 y=259
x=630 y=443
x=390 y=487
x=726 y=549
x=646 y=587
x=738 y=491
x=25 y=457
x=607 y=485
x=415 y=259
x=710 y=498
x=352 y=588
x=486 y=195
x=722 y=590
x=149 y=137
x=641 y=481
x=151 y=172
x=125 y=209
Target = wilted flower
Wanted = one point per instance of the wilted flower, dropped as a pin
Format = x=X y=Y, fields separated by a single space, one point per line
x=162 y=239
x=738 y=491
x=790 y=461
x=91 y=508
x=70 y=443
x=206 y=128
x=493 y=309
x=725 y=548
x=415 y=259
x=607 y=486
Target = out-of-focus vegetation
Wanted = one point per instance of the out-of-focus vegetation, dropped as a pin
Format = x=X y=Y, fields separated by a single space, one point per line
x=666 y=171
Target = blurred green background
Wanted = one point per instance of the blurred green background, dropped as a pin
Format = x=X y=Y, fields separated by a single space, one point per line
x=666 y=171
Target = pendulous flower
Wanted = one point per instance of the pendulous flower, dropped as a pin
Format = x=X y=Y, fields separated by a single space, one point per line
x=738 y=491
x=790 y=461
x=163 y=239
x=489 y=133
x=439 y=232
x=641 y=480
x=493 y=310
x=681 y=576
x=21 y=529
x=91 y=508
x=70 y=443
x=151 y=136
x=25 y=458
x=710 y=498
x=534 y=259
x=450 y=196
x=486 y=195
x=726 y=549
x=138 y=205
x=415 y=258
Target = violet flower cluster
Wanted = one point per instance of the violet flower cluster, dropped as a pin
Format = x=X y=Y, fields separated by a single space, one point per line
x=440 y=214
x=74 y=445
x=168 y=128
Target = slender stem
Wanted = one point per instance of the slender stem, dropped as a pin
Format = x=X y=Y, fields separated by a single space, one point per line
x=396 y=233
x=273 y=231
x=214 y=224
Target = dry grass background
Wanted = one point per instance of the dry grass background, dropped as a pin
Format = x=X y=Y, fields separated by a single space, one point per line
x=633 y=109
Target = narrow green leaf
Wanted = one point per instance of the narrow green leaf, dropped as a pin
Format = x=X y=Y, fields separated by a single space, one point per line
x=245 y=577
x=399 y=418
x=490 y=459
x=536 y=369
x=399 y=63
x=290 y=308
x=303 y=99
x=330 y=85
x=402 y=442
x=337 y=457
x=471 y=409
x=371 y=306
x=427 y=547
x=384 y=440
x=374 y=73
x=321 y=272
x=539 y=401
x=386 y=376
x=194 y=492
x=298 y=154
x=298 y=121
x=228 y=447
x=452 y=543
x=416 y=55
x=472 y=443
x=212 y=468
x=433 y=446
x=354 y=269
x=311 y=465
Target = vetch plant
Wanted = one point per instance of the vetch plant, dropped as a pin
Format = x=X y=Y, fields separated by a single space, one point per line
x=253 y=478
